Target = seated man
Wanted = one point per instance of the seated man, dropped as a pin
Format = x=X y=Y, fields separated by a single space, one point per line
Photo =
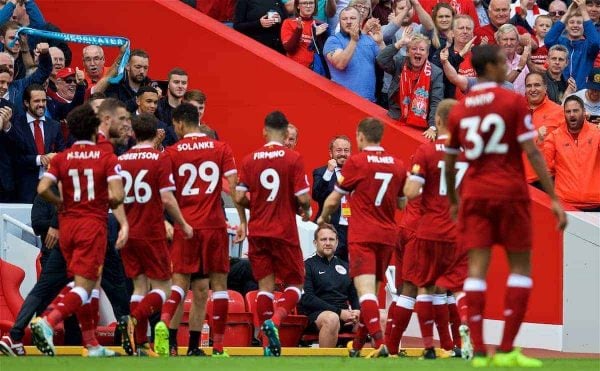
x=328 y=289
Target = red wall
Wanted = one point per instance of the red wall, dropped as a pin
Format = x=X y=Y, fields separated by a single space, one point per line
x=244 y=81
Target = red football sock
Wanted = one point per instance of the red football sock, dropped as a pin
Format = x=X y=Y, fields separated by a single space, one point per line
x=264 y=310
x=150 y=304
x=95 y=303
x=170 y=306
x=442 y=319
x=404 y=309
x=361 y=334
x=68 y=306
x=58 y=299
x=454 y=322
x=286 y=304
x=85 y=316
x=424 y=309
x=462 y=307
x=219 y=319
x=515 y=303
x=475 y=296
x=140 y=332
x=391 y=317
x=369 y=309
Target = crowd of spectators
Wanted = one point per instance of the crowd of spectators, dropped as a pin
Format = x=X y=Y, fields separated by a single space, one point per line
x=408 y=55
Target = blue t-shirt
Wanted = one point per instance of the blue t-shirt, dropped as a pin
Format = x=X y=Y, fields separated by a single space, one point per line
x=359 y=75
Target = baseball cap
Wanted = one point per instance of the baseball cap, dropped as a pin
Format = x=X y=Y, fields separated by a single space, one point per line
x=593 y=80
x=65 y=72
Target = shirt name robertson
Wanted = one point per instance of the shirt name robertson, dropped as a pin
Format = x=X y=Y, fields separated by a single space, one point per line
x=269 y=155
x=139 y=156
x=380 y=159
x=479 y=100
x=95 y=155
x=195 y=146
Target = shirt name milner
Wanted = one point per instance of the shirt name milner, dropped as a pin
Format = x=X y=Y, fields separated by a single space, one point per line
x=380 y=159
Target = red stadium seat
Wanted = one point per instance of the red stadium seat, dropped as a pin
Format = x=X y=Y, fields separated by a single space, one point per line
x=11 y=300
x=291 y=327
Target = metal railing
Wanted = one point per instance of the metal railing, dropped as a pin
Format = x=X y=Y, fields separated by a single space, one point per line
x=4 y=221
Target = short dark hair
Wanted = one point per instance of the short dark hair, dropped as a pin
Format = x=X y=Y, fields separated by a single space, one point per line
x=144 y=126
x=96 y=96
x=176 y=71
x=10 y=25
x=138 y=53
x=83 y=122
x=195 y=95
x=575 y=99
x=482 y=56
x=372 y=129
x=276 y=120
x=342 y=137
x=538 y=74
x=29 y=89
x=110 y=105
x=5 y=69
x=145 y=89
x=187 y=114
x=325 y=226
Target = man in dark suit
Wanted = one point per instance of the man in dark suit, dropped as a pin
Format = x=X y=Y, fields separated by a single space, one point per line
x=324 y=179
x=36 y=139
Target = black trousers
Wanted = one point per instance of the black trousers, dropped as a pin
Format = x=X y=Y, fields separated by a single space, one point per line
x=54 y=277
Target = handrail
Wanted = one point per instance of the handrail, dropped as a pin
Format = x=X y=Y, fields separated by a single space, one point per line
x=3 y=232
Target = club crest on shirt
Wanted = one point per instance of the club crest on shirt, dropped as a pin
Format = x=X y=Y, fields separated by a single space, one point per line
x=340 y=269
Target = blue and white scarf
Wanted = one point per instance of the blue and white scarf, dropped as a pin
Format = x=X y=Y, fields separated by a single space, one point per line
x=82 y=39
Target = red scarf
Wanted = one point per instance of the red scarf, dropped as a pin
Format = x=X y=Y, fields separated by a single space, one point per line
x=413 y=97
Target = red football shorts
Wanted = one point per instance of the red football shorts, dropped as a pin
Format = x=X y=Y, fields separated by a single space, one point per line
x=273 y=256
x=483 y=223
x=369 y=258
x=407 y=236
x=454 y=278
x=425 y=261
x=206 y=252
x=148 y=257
x=83 y=244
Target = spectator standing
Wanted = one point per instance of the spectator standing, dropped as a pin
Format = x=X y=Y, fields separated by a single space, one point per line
x=383 y=10
x=93 y=64
x=527 y=10
x=261 y=20
x=581 y=39
x=573 y=155
x=556 y=10
x=176 y=89
x=558 y=59
x=135 y=77
x=593 y=8
x=499 y=11
x=20 y=51
x=507 y=38
x=591 y=96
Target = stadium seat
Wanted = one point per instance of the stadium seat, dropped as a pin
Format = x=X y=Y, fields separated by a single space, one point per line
x=239 y=328
x=11 y=300
x=291 y=327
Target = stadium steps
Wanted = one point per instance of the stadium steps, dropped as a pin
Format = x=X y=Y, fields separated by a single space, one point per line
x=235 y=351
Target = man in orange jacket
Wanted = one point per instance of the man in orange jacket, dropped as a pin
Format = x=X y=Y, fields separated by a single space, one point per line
x=546 y=116
x=573 y=155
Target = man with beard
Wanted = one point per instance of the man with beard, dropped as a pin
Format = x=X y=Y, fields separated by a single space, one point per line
x=36 y=139
x=324 y=180
x=178 y=83
x=351 y=55
x=417 y=85
x=134 y=79
x=573 y=154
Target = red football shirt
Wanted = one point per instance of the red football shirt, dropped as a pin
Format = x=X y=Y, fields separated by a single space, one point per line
x=274 y=175
x=428 y=169
x=146 y=174
x=376 y=179
x=104 y=143
x=489 y=123
x=84 y=171
x=199 y=163
x=411 y=215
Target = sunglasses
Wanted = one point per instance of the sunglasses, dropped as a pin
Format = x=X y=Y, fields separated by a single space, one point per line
x=70 y=81
x=557 y=13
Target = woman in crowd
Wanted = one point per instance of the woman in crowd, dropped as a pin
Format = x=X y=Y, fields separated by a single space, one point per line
x=261 y=20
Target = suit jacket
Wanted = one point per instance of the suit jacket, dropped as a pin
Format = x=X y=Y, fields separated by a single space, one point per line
x=25 y=153
x=321 y=189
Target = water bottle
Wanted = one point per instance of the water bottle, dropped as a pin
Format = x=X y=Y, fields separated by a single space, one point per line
x=205 y=335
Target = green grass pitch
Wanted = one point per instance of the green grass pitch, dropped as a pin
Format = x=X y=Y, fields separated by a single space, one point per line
x=261 y=364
